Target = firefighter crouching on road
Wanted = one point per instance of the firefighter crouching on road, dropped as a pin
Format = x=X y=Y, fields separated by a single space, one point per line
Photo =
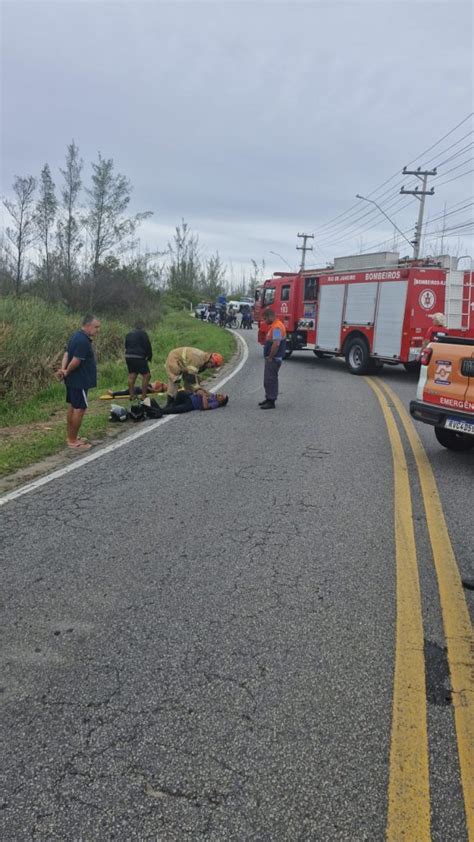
x=185 y=364
x=273 y=352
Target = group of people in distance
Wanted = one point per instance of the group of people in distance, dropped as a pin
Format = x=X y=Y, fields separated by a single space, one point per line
x=78 y=371
x=227 y=316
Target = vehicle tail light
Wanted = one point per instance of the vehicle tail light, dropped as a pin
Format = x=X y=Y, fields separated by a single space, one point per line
x=426 y=356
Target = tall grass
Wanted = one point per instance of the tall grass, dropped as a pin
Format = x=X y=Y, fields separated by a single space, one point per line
x=33 y=335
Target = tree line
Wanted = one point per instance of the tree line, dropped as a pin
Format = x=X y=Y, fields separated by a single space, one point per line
x=78 y=245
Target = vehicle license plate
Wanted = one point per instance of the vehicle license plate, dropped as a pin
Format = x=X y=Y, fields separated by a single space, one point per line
x=460 y=426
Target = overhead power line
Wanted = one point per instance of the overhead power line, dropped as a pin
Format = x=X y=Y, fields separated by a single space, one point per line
x=457 y=167
x=455 y=178
x=340 y=220
x=456 y=154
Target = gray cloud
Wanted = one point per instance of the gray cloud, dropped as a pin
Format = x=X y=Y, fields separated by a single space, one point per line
x=252 y=121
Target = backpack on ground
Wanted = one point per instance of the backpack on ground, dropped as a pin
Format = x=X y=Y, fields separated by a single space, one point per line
x=137 y=412
x=152 y=408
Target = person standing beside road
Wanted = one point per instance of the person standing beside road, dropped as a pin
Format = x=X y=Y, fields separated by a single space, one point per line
x=138 y=354
x=273 y=352
x=79 y=372
x=185 y=364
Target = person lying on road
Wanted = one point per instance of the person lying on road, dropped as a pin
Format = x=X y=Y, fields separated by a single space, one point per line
x=200 y=399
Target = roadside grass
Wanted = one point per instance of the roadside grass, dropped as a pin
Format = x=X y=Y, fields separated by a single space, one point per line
x=33 y=427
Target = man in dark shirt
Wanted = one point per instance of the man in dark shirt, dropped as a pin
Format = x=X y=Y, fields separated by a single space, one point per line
x=138 y=354
x=79 y=372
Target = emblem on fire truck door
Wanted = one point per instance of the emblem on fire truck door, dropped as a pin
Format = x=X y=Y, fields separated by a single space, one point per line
x=284 y=308
x=427 y=299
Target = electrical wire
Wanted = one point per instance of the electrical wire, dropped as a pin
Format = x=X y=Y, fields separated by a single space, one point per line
x=455 y=177
x=448 y=148
x=355 y=209
x=457 y=167
x=451 y=213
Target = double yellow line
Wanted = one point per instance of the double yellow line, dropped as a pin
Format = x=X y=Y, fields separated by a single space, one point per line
x=409 y=792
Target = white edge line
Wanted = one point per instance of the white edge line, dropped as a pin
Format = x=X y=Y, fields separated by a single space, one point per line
x=97 y=454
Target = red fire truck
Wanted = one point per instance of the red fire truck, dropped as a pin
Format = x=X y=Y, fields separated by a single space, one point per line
x=371 y=309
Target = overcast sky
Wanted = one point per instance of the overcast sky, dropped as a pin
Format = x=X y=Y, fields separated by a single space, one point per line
x=253 y=121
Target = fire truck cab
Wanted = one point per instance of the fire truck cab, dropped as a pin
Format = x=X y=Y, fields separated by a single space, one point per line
x=371 y=309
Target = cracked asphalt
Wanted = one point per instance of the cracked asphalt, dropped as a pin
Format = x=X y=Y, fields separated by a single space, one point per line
x=198 y=629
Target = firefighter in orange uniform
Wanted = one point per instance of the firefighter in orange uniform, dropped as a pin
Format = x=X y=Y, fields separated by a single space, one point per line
x=274 y=353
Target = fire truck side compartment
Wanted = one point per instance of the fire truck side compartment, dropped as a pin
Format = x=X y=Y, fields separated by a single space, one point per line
x=331 y=303
x=360 y=304
x=390 y=317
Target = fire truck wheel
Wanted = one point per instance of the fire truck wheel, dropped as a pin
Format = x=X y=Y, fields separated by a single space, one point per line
x=357 y=356
x=453 y=440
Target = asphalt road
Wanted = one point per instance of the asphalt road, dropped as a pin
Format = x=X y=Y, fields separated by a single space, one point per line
x=199 y=628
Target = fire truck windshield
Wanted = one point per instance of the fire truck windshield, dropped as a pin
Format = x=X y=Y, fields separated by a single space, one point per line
x=268 y=296
x=310 y=289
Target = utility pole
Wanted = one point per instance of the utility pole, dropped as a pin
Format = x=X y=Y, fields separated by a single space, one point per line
x=420 y=195
x=304 y=248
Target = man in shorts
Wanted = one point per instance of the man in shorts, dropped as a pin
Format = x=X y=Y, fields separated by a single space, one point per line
x=138 y=354
x=79 y=372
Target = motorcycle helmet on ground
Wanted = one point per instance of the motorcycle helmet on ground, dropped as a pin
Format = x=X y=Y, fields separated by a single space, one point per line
x=118 y=413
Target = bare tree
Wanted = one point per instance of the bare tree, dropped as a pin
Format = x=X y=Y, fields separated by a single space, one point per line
x=213 y=280
x=105 y=222
x=256 y=276
x=45 y=215
x=69 y=235
x=6 y=265
x=184 y=272
x=22 y=234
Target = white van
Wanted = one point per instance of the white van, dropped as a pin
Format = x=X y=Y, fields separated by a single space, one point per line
x=237 y=306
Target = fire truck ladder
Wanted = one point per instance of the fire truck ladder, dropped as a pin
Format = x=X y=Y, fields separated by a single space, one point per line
x=459 y=299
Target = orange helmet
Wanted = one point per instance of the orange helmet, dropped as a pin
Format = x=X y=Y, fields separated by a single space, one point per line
x=217 y=359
